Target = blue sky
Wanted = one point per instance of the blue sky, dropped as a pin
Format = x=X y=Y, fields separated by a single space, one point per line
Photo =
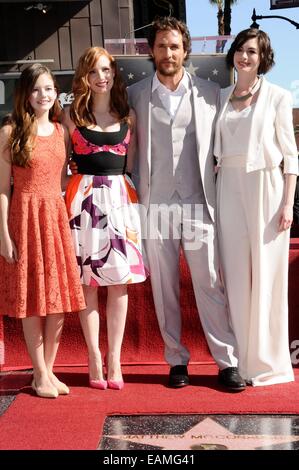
x=202 y=21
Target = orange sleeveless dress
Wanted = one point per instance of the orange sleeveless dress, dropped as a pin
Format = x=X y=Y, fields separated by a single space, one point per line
x=45 y=279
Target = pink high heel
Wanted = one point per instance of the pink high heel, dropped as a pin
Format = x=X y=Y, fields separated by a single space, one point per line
x=100 y=384
x=115 y=384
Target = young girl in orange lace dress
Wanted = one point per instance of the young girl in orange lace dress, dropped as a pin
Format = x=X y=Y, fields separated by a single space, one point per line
x=39 y=274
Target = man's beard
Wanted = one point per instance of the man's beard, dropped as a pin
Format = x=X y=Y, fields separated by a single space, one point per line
x=168 y=72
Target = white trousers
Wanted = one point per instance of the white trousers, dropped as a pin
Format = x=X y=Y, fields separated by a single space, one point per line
x=254 y=258
x=188 y=227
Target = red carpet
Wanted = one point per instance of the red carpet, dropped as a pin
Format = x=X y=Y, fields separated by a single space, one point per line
x=75 y=421
x=2 y=359
x=142 y=342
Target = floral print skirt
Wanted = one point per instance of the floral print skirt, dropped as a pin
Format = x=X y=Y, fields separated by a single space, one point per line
x=105 y=224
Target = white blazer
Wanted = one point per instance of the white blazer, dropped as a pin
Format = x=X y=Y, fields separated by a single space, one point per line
x=272 y=133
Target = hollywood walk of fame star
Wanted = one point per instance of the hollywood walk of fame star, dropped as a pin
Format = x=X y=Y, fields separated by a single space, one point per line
x=191 y=69
x=207 y=435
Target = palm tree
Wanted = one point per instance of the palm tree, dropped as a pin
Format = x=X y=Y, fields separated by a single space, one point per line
x=224 y=15
x=224 y=20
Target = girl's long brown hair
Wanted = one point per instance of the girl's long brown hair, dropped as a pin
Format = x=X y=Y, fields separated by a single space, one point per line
x=81 y=108
x=23 y=119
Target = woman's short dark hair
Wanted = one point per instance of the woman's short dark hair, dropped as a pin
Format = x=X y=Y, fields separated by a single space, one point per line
x=168 y=23
x=265 y=50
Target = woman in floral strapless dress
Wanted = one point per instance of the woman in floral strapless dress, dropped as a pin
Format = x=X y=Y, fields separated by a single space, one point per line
x=39 y=273
x=102 y=205
x=102 y=209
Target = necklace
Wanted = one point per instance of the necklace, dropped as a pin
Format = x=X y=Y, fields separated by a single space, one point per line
x=253 y=90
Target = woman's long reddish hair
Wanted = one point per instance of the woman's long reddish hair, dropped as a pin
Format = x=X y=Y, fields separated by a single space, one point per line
x=23 y=119
x=81 y=108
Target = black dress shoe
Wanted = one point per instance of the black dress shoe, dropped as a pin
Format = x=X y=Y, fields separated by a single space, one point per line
x=231 y=379
x=178 y=376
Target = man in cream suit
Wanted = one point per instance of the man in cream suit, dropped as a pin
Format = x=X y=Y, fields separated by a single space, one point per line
x=176 y=184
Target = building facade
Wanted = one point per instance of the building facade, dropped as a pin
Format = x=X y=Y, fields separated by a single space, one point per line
x=59 y=30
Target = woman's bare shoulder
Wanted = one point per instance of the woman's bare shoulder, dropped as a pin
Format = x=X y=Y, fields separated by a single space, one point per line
x=5 y=133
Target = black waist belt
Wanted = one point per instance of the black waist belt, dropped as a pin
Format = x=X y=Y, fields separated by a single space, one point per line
x=101 y=164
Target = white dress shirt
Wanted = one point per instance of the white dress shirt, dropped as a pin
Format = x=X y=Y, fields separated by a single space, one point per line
x=171 y=99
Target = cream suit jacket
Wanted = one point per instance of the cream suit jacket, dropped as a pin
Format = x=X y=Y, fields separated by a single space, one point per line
x=206 y=100
x=271 y=135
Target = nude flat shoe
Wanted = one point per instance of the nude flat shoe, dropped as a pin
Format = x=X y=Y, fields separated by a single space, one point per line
x=62 y=388
x=44 y=392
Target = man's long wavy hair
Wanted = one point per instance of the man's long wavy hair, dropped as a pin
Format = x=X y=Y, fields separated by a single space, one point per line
x=169 y=23
x=81 y=108
x=23 y=119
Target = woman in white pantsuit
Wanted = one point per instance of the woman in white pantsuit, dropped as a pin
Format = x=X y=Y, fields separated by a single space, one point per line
x=254 y=135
